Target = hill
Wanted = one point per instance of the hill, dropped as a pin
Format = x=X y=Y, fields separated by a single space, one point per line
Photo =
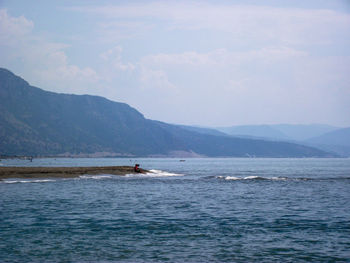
x=337 y=141
x=304 y=132
x=38 y=122
x=209 y=131
x=286 y=132
x=337 y=137
x=257 y=131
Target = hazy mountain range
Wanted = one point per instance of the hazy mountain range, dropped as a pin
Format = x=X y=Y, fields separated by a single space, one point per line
x=42 y=123
x=326 y=137
x=280 y=131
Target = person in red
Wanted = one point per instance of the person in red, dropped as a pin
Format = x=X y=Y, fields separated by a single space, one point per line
x=137 y=168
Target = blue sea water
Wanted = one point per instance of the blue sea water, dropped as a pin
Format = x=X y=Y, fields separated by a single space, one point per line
x=197 y=210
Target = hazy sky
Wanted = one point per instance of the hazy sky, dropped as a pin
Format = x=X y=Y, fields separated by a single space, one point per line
x=213 y=63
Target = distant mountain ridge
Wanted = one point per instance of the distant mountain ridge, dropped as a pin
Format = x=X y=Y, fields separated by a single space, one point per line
x=337 y=141
x=337 y=137
x=257 y=131
x=38 y=122
x=279 y=131
x=325 y=137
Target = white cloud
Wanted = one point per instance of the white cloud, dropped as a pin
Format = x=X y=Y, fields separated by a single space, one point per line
x=12 y=28
x=270 y=85
x=155 y=80
x=195 y=62
x=42 y=63
x=222 y=57
x=243 y=22
x=114 y=56
x=115 y=31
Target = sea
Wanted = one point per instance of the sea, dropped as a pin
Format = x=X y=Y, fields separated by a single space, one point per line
x=191 y=210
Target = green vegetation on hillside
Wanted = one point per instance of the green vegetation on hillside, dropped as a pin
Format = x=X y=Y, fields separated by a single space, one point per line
x=38 y=122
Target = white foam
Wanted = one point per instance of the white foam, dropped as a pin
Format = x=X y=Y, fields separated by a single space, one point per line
x=28 y=181
x=162 y=173
x=154 y=173
x=253 y=177
x=232 y=178
x=278 y=178
x=96 y=177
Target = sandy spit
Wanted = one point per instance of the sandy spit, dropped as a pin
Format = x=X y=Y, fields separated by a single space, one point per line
x=62 y=172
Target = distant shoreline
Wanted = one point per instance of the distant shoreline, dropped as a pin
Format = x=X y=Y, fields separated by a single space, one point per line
x=62 y=172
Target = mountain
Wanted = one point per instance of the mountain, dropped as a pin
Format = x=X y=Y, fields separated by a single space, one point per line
x=337 y=137
x=34 y=121
x=303 y=132
x=209 y=131
x=314 y=135
x=257 y=131
x=286 y=132
x=337 y=141
x=38 y=122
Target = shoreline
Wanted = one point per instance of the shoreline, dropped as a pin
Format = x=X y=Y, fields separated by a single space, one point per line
x=63 y=172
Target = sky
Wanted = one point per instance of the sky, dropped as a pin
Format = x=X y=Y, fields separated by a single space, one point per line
x=207 y=63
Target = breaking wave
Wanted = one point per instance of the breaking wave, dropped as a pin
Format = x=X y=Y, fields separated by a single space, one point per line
x=253 y=177
x=16 y=181
x=96 y=177
x=235 y=178
x=154 y=173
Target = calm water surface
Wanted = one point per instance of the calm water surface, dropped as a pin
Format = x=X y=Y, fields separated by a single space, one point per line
x=200 y=210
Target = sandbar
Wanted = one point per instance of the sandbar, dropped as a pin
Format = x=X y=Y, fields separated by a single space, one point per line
x=63 y=172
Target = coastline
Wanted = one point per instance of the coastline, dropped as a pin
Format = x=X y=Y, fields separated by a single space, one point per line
x=63 y=172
